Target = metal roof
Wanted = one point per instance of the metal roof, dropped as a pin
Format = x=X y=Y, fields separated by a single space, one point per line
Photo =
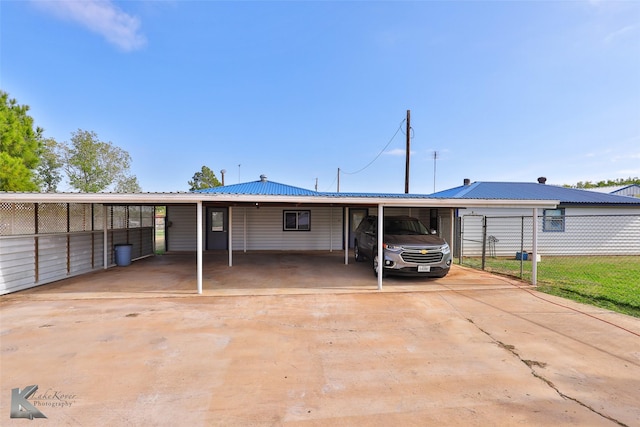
x=261 y=187
x=264 y=191
x=533 y=191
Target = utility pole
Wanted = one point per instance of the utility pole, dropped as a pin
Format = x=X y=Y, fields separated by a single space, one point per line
x=406 y=173
x=316 y=184
x=338 y=180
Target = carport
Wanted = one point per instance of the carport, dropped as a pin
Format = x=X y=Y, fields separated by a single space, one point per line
x=237 y=199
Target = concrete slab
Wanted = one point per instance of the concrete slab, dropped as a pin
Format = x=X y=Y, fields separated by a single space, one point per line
x=282 y=339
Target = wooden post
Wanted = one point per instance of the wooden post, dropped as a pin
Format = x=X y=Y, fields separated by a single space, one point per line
x=406 y=173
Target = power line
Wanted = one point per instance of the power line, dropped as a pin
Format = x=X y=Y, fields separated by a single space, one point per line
x=381 y=151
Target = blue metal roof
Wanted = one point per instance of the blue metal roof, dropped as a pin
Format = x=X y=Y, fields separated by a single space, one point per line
x=477 y=190
x=262 y=188
x=377 y=195
x=532 y=191
x=269 y=188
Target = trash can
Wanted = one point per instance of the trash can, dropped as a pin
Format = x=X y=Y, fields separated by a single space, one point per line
x=123 y=254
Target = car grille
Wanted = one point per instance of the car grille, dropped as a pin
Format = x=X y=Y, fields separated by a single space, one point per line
x=420 y=258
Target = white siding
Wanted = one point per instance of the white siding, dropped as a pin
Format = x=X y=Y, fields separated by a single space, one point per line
x=264 y=229
x=588 y=231
x=17 y=266
x=81 y=257
x=182 y=232
x=52 y=258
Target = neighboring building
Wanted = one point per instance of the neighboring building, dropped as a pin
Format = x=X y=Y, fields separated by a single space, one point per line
x=583 y=223
x=632 y=190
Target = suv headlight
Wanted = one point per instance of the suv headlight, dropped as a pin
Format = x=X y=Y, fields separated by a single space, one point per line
x=445 y=248
x=392 y=248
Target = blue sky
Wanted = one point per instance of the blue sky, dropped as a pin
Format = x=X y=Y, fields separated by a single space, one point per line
x=501 y=90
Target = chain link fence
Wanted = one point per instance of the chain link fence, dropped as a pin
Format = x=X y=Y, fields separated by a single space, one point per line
x=586 y=257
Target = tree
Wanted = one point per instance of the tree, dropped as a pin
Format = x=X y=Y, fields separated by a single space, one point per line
x=206 y=178
x=48 y=172
x=19 y=146
x=128 y=184
x=93 y=165
x=607 y=183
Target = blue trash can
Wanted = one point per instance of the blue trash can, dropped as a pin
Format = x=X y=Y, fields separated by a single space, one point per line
x=522 y=256
x=123 y=254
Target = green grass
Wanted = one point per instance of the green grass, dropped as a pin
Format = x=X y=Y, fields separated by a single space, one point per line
x=611 y=282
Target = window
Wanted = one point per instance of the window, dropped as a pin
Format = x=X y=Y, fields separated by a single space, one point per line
x=217 y=221
x=297 y=221
x=553 y=220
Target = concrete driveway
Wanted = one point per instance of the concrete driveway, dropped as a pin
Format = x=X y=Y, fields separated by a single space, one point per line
x=282 y=339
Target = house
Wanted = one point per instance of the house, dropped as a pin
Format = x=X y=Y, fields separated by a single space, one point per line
x=46 y=237
x=619 y=190
x=583 y=223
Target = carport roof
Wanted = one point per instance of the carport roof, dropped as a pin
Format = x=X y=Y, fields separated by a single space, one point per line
x=264 y=191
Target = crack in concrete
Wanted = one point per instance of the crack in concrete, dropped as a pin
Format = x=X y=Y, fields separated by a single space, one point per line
x=531 y=363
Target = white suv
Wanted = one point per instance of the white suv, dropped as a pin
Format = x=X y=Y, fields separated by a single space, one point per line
x=409 y=247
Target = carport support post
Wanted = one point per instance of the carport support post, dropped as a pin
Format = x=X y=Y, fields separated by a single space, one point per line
x=379 y=246
x=199 y=244
x=346 y=236
x=534 y=262
x=105 y=238
x=230 y=234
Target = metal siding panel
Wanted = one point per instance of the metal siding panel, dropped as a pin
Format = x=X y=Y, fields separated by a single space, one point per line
x=182 y=234
x=134 y=241
x=98 y=251
x=472 y=235
x=17 y=264
x=80 y=253
x=147 y=241
x=265 y=231
x=52 y=258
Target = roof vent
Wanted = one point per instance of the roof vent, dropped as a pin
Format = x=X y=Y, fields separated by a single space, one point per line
x=542 y=180
x=263 y=178
x=467 y=181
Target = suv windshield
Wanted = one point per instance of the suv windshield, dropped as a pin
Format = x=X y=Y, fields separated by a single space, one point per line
x=404 y=226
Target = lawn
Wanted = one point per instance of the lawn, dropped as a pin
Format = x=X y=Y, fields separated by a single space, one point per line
x=609 y=282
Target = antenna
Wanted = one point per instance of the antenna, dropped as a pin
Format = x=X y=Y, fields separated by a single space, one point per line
x=435 y=157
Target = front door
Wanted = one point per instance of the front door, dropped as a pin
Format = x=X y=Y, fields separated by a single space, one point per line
x=217 y=228
x=355 y=217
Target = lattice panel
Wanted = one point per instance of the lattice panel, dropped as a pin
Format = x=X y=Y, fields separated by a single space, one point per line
x=52 y=218
x=98 y=216
x=17 y=218
x=135 y=219
x=148 y=213
x=119 y=217
x=79 y=217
